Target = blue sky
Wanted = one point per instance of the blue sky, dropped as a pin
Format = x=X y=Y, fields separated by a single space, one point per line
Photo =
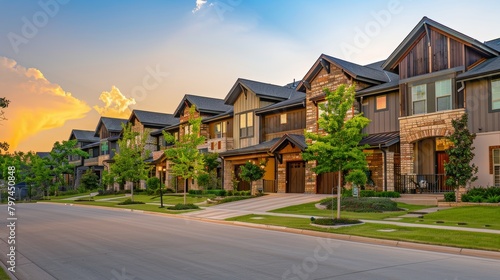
x=90 y=47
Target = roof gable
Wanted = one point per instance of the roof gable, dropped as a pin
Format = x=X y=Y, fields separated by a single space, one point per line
x=262 y=90
x=154 y=119
x=207 y=105
x=83 y=135
x=111 y=124
x=422 y=27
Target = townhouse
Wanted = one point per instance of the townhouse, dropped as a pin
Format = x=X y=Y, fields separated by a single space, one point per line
x=435 y=75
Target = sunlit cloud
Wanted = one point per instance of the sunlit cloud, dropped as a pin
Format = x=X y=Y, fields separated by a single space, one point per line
x=116 y=105
x=36 y=104
x=199 y=5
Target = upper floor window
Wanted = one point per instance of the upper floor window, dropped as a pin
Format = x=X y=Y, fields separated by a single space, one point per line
x=495 y=94
x=187 y=129
x=220 y=129
x=419 y=99
x=104 y=148
x=246 y=124
x=321 y=106
x=283 y=118
x=381 y=102
x=443 y=95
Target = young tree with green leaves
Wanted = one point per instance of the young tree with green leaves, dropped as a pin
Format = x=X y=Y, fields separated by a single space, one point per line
x=59 y=160
x=250 y=172
x=335 y=147
x=40 y=175
x=89 y=181
x=4 y=103
x=459 y=170
x=188 y=162
x=130 y=165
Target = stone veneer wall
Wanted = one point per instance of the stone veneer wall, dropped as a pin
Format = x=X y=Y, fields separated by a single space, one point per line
x=414 y=128
x=323 y=80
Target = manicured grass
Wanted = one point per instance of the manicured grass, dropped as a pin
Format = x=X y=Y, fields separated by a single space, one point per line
x=465 y=216
x=461 y=239
x=4 y=275
x=310 y=209
x=144 y=207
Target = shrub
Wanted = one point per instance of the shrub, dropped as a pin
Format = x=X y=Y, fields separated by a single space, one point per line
x=476 y=198
x=367 y=193
x=216 y=192
x=493 y=199
x=333 y=222
x=153 y=183
x=450 y=197
x=232 y=198
x=69 y=192
x=230 y=193
x=195 y=192
x=169 y=190
x=346 y=193
x=129 y=201
x=181 y=206
x=363 y=204
x=480 y=194
x=246 y=193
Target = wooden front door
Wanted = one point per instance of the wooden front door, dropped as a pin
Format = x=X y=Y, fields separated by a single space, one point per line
x=326 y=181
x=296 y=177
x=441 y=159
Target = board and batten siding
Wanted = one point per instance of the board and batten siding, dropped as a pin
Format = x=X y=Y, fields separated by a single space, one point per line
x=246 y=102
x=295 y=124
x=384 y=120
x=478 y=107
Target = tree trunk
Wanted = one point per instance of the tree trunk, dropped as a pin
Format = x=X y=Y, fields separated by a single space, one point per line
x=338 y=194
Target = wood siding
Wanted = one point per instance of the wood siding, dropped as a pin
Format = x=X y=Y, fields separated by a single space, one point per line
x=383 y=120
x=273 y=128
x=245 y=103
x=229 y=128
x=478 y=107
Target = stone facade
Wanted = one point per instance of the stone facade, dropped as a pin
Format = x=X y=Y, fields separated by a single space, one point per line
x=418 y=127
x=289 y=154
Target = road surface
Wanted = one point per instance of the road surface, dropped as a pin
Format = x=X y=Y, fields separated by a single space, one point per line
x=74 y=242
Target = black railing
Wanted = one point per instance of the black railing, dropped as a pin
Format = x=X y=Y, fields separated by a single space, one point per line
x=422 y=183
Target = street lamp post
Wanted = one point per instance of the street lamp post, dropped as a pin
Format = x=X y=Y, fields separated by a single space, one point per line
x=161 y=191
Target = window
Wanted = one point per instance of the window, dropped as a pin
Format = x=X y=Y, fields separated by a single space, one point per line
x=419 y=99
x=320 y=110
x=443 y=95
x=283 y=118
x=220 y=129
x=246 y=124
x=495 y=94
x=496 y=167
x=381 y=102
x=187 y=129
x=104 y=148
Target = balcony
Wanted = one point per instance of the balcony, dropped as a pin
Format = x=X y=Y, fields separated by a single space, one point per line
x=91 y=161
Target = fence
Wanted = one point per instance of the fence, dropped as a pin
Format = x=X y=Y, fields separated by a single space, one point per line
x=422 y=183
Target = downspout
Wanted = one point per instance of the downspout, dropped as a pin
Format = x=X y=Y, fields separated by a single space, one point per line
x=384 y=151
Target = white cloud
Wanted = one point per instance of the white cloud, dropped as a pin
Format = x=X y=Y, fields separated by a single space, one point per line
x=116 y=105
x=199 y=5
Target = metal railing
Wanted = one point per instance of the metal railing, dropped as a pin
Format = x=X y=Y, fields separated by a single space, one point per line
x=422 y=183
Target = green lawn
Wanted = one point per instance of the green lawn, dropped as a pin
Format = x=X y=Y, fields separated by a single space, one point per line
x=310 y=209
x=465 y=216
x=483 y=241
x=4 y=275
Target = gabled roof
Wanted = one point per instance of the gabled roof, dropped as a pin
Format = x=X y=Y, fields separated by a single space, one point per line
x=255 y=149
x=207 y=105
x=295 y=102
x=218 y=117
x=390 y=86
x=382 y=140
x=111 y=124
x=371 y=73
x=83 y=135
x=400 y=51
x=166 y=128
x=262 y=90
x=494 y=44
x=487 y=68
x=296 y=140
x=155 y=119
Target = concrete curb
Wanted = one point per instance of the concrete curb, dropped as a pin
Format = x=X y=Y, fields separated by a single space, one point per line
x=352 y=238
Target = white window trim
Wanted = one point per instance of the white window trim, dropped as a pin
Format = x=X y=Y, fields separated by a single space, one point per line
x=441 y=96
x=419 y=100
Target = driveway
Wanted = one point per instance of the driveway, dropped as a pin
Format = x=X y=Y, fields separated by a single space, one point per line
x=257 y=205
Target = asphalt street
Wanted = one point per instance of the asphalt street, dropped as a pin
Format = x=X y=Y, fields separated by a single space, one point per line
x=74 y=242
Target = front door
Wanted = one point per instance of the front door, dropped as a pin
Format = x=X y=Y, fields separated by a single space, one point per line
x=242 y=185
x=441 y=159
x=296 y=177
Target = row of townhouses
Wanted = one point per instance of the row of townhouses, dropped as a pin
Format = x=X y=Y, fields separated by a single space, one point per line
x=435 y=75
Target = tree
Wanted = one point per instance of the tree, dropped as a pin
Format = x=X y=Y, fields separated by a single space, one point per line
x=39 y=174
x=335 y=148
x=130 y=162
x=89 y=180
x=209 y=179
x=251 y=172
x=459 y=170
x=4 y=103
x=59 y=160
x=188 y=162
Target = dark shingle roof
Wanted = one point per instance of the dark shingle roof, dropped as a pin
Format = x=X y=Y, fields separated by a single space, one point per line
x=494 y=44
x=219 y=116
x=111 y=124
x=297 y=100
x=489 y=67
x=381 y=139
x=393 y=85
x=255 y=149
x=298 y=140
x=358 y=71
x=263 y=90
x=203 y=104
x=419 y=28
x=84 y=135
x=148 y=118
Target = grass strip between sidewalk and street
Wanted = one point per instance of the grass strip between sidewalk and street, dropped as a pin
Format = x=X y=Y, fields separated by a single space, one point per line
x=460 y=239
